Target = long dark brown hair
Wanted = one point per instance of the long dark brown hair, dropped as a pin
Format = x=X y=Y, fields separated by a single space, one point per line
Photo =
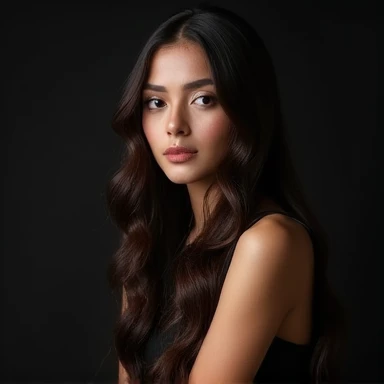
x=172 y=286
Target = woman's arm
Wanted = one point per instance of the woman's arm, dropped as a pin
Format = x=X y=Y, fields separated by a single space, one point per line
x=270 y=268
x=123 y=375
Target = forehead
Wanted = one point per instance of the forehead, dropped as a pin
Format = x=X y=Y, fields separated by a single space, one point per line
x=182 y=61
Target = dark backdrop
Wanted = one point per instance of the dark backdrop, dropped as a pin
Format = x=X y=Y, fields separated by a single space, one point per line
x=65 y=65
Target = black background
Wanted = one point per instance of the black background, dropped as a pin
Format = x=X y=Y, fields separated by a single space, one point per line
x=64 y=66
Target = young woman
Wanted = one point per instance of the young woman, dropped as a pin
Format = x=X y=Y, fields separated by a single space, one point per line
x=222 y=266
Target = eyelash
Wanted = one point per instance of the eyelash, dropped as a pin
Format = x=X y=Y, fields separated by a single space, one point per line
x=148 y=100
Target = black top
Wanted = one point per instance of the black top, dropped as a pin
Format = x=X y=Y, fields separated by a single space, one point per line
x=284 y=361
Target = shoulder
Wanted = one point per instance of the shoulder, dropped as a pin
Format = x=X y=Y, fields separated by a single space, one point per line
x=276 y=231
x=263 y=283
x=276 y=247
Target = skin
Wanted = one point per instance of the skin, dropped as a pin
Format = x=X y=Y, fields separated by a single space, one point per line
x=267 y=291
x=188 y=117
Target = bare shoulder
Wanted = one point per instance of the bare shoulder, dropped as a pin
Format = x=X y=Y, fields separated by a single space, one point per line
x=280 y=229
x=269 y=270
x=277 y=241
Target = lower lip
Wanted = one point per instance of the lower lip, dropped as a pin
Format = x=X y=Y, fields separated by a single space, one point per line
x=180 y=157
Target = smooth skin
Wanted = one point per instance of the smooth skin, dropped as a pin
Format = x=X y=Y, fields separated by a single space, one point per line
x=185 y=113
x=268 y=288
x=266 y=293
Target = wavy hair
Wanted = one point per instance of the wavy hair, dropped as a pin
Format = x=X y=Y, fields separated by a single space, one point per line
x=154 y=215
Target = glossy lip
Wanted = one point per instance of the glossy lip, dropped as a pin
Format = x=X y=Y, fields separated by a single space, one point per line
x=180 y=157
x=177 y=150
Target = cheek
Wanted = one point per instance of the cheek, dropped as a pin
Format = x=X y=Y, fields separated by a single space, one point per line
x=149 y=136
x=148 y=132
x=217 y=131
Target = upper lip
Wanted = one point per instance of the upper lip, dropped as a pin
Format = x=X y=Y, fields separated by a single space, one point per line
x=178 y=149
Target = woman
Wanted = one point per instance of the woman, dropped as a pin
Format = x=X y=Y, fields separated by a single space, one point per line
x=222 y=265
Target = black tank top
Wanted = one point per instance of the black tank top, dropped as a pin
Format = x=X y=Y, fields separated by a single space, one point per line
x=284 y=361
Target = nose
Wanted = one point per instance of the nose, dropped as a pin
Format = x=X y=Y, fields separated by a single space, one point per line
x=177 y=123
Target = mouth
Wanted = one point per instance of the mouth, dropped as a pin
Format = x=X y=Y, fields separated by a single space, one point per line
x=180 y=157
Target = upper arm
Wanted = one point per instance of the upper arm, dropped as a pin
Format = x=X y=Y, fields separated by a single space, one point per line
x=123 y=376
x=261 y=286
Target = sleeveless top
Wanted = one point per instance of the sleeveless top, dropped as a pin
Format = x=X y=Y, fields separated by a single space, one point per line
x=284 y=362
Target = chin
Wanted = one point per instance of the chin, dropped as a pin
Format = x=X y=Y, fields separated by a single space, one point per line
x=190 y=179
x=180 y=179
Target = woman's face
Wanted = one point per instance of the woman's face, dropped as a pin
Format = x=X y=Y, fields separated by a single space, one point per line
x=180 y=108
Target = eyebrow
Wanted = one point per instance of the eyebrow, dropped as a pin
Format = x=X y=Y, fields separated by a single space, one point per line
x=192 y=85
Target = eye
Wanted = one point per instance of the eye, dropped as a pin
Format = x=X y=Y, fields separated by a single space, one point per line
x=206 y=100
x=153 y=103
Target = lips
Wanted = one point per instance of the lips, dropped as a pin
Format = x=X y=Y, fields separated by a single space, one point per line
x=178 y=150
